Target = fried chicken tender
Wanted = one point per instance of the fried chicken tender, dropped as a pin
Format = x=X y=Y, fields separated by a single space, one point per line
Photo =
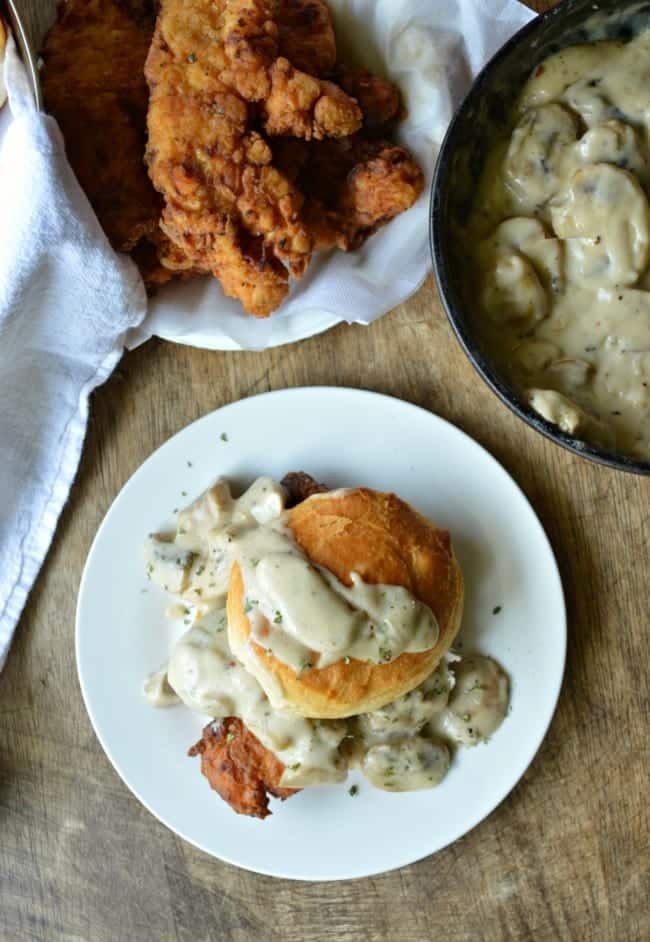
x=378 y=98
x=228 y=210
x=292 y=102
x=240 y=768
x=353 y=187
x=299 y=486
x=93 y=84
x=306 y=35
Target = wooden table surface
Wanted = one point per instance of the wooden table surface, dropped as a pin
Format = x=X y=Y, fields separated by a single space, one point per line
x=566 y=856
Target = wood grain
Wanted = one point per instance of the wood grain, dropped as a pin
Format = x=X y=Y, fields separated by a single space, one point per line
x=565 y=857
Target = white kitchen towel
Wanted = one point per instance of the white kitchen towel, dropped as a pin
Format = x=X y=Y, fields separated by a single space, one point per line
x=66 y=302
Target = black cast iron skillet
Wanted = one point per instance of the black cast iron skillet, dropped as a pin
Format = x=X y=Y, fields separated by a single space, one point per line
x=481 y=117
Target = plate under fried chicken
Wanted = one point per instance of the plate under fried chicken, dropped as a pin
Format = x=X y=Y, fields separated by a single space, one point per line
x=247 y=147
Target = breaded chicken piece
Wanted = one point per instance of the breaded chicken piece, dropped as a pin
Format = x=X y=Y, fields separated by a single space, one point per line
x=240 y=768
x=93 y=84
x=306 y=35
x=353 y=186
x=299 y=486
x=227 y=209
x=291 y=101
x=300 y=105
x=379 y=99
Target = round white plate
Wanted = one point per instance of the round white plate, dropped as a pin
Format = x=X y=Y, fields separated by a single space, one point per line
x=342 y=437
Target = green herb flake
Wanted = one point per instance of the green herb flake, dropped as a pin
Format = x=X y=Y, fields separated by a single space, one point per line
x=496 y=609
x=278 y=618
x=353 y=790
x=305 y=664
x=346 y=659
x=294 y=767
x=385 y=653
x=200 y=569
x=465 y=717
x=183 y=493
x=189 y=464
x=255 y=563
x=223 y=437
x=247 y=607
x=182 y=530
x=230 y=737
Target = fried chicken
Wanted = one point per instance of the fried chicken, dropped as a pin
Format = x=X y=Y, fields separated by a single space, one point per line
x=291 y=101
x=239 y=768
x=228 y=210
x=93 y=84
x=353 y=187
x=299 y=486
x=378 y=98
x=306 y=36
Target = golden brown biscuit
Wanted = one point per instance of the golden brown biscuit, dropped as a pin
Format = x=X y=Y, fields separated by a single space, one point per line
x=385 y=541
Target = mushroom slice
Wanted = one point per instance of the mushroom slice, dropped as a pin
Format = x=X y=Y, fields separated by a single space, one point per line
x=556 y=408
x=533 y=162
x=606 y=212
x=586 y=98
x=534 y=355
x=512 y=292
x=613 y=143
x=570 y=373
x=552 y=77
x=528 y=237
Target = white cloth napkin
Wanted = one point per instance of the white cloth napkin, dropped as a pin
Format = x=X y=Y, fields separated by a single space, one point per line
x=66 y=302
x=432 y=49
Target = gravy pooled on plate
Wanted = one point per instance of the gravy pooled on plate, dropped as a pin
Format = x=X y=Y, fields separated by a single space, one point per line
x=401 y=747
x=560 y=236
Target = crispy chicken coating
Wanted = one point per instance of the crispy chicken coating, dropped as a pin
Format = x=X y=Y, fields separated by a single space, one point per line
x=239 y=768
x=299 y=486
x=353 y=187
x=378 y=98
x=306 y=35
x=227 y=209
x=93 y=84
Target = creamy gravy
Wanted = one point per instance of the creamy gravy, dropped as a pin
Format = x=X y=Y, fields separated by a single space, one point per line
x=299 y=612
x=405 y=745
x=402 y=747
x=561 y=243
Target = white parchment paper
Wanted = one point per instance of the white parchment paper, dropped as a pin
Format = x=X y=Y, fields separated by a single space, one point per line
x=432 y=49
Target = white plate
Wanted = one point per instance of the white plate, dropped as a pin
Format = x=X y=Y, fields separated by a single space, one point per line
x=343 y=437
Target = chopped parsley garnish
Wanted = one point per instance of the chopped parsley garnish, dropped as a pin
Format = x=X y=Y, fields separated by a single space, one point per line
x=294 y=767
x=249 y=605
x=182 y=530
x=255 y=563
x=385 y=653
x=496 y=609
x=278 y=618
x=189 y=464
x=200 y=569
x=305 y=664
x=346 y=659
x=465 y=717
x=224 y=437
x=230 y=737
x=198 y=591
x=353 y=790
